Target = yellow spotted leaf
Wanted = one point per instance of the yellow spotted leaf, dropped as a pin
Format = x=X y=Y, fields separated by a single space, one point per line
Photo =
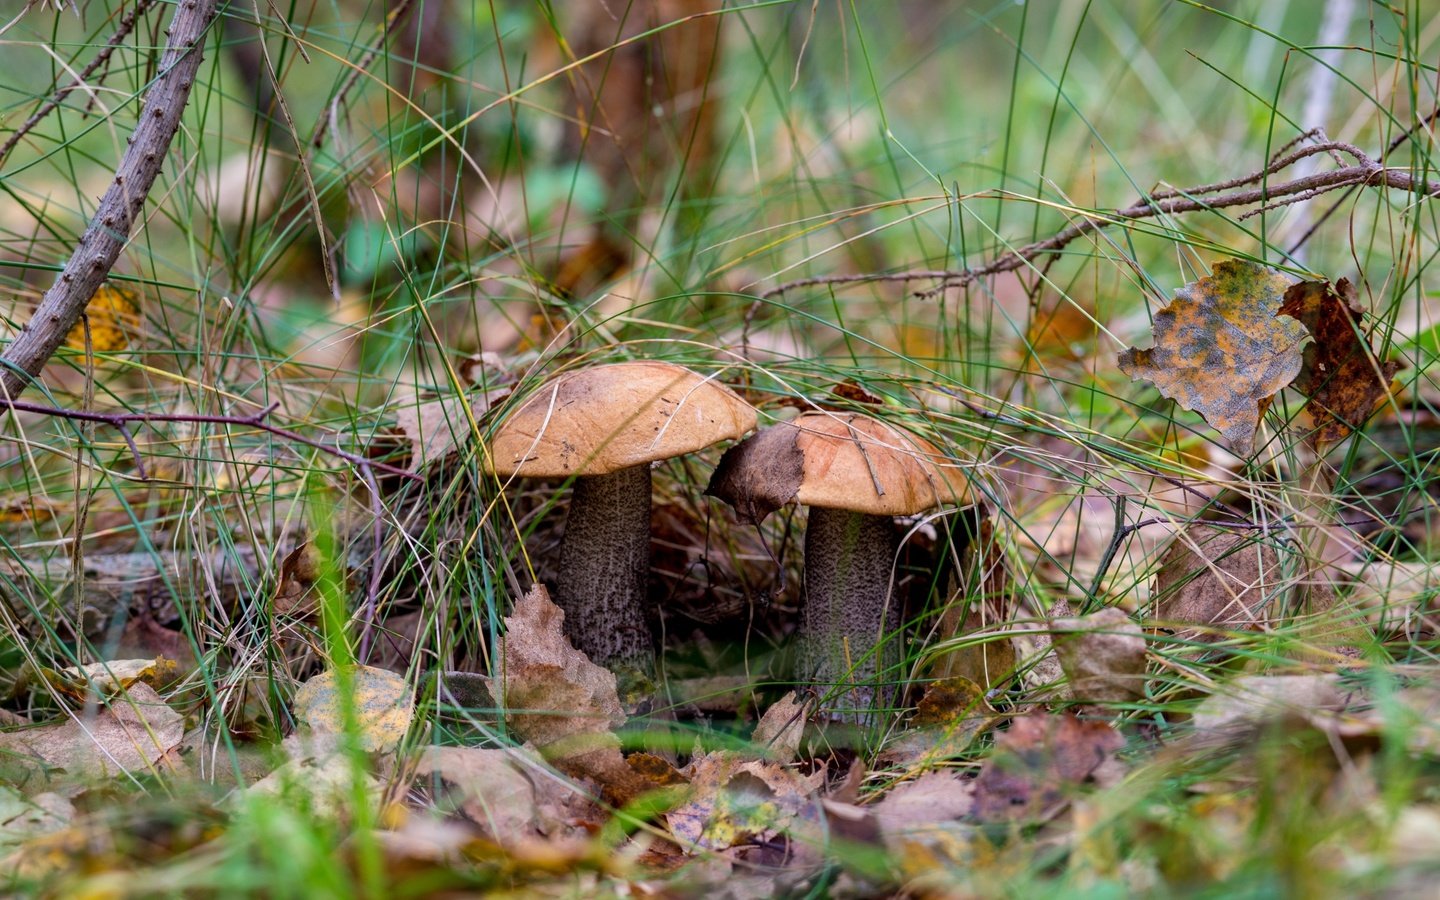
x=114 y=315
x=1221 y=350
x=382 y=702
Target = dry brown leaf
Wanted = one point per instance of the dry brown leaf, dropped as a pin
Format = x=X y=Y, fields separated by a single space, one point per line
x=1221 y=350
x=951 y=714
x=760 y=474
x=1103 y=655
x=1259 y=699
x=495 y=788
x=560 y=701
x=129 y=734
x=1341 y=376
x=917 y=805
x=779 y=730
x=1216 y=579
x=1039 y=762
x=107 y=679
x=299 y=571
x=737 y=801
x=383 y=707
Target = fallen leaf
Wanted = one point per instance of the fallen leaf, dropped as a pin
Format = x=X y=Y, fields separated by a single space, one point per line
x=560 y=701
x=1341 y=376
x=107 y=679
x=1039 y=763
x=437 y=428
x=114 y=315
x=1221 y=350
x=1258 y=699
x=299 y=571
x=491 y=786
x=951 y=714
x=130 y=733
x=759 y=474
x=23 y=818
x=382 y=701
x=932 y=798
x=738 y=801
x=779 y=730
x=1215 y=579
x=1103 y=655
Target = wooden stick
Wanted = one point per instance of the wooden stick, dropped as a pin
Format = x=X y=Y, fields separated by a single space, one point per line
x=119 y=209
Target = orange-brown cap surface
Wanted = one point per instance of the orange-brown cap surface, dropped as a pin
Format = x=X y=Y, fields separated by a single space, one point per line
x=861 y=464
x=601 y=419
x=837 y=461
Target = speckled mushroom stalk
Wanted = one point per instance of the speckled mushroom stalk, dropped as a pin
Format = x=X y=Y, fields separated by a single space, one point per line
x=848 y=608
x=604 y=426
x=856 y=474
x=605 y=567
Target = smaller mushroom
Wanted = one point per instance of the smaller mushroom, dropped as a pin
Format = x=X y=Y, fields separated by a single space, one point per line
x=603 y=426
x=856 y=474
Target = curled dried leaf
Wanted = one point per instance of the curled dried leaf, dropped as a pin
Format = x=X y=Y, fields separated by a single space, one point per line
x=760 y=474
x=1341 y=375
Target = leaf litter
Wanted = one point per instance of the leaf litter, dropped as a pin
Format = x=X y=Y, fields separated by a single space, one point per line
x=565 y=796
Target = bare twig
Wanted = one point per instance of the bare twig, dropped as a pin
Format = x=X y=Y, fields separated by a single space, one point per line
x=1365 y=172
x=1390 y=148
x=108 y=231
x=122 y=30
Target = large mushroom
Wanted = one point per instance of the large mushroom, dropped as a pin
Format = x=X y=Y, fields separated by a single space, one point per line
x=856 y=474
x=603 y=426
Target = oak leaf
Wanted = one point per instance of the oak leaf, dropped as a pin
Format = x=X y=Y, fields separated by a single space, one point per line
x=1221 y=350
x=1341 y=376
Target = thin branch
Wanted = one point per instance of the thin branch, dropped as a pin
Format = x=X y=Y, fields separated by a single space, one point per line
x=1365 y=172
x=127 y=24
x=109 y=230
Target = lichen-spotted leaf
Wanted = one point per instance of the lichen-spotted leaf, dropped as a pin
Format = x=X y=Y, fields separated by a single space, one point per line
x=1341 y=376
x=114 y=315
x=1221 y=350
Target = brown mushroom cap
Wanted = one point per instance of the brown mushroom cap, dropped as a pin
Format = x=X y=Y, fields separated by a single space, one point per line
x=602 y=419
x=863 y=465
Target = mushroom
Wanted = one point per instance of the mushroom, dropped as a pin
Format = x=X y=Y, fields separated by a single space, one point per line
x=604 y=425
x=856 y=474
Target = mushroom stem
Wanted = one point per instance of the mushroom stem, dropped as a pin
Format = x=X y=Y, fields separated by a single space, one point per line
x=848 y=558
x=604 y=565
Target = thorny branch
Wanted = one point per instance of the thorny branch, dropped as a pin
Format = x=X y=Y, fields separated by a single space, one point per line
x=120 y=207
x=1365 y=171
